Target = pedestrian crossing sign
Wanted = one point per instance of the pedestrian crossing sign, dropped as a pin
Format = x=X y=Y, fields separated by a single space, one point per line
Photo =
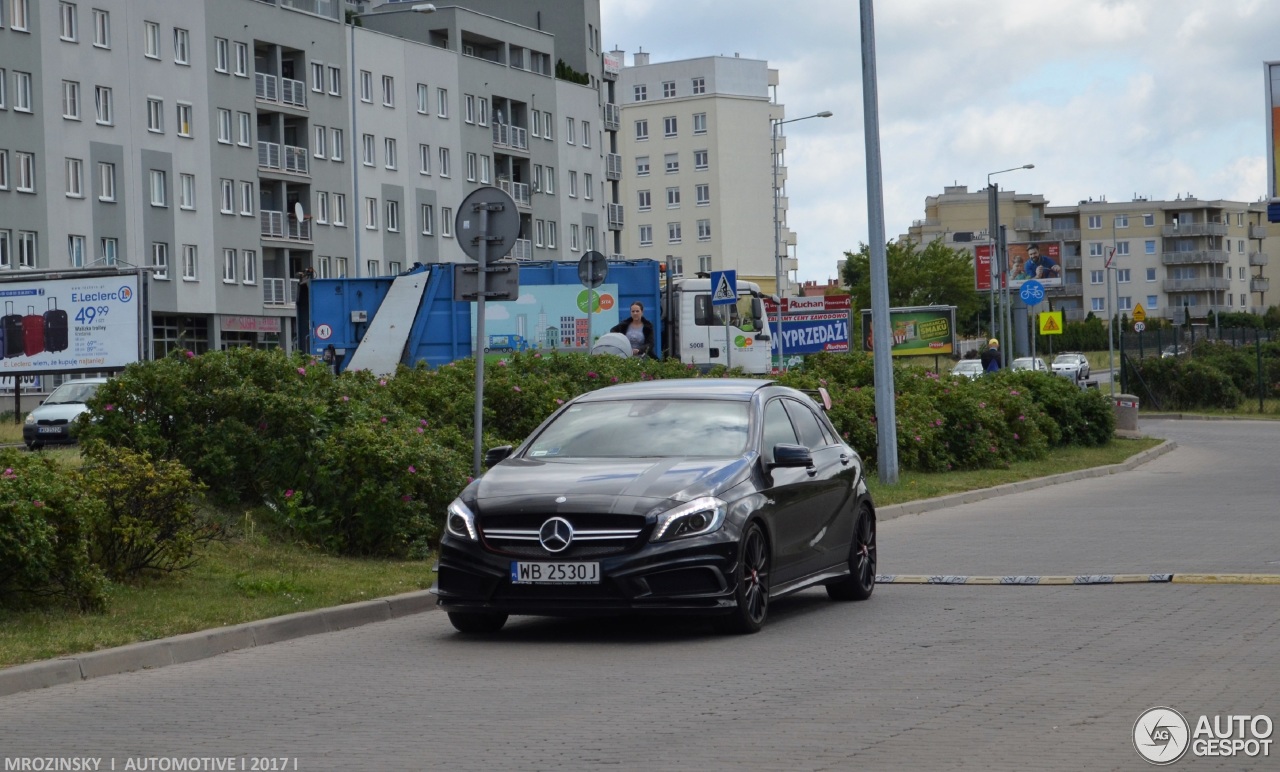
x=724 y=288
x=1050 y=322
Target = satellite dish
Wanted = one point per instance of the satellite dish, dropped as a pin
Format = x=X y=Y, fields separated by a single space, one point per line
x=297 y=211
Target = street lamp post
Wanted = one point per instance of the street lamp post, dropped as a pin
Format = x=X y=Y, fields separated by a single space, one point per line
x=997 y=260
x=777 y=225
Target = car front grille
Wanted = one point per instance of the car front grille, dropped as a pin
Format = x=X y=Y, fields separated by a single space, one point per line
x=594 y=536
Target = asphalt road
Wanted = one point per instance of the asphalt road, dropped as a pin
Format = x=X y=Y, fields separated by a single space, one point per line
x=920 y=677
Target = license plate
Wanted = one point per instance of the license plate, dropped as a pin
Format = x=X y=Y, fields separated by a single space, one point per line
x=523 y=572
x=49 y=430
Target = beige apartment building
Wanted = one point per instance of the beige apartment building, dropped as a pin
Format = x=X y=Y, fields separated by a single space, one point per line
x=1177 y=258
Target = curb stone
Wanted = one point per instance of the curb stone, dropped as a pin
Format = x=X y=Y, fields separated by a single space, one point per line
x=203 y=644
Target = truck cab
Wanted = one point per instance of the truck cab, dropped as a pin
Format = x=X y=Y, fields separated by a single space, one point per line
x=699 y=328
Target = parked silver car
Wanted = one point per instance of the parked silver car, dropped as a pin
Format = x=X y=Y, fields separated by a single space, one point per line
x=1071 y=365
x=52 y=423
x=1030 y=363
x=967 y=368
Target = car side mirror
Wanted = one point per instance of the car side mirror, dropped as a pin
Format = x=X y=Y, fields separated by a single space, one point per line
x=786 y=455
x=763 y=336
x=495 y=455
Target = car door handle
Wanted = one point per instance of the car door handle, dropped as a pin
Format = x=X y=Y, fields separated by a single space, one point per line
x=844 y=459
x=811 y=471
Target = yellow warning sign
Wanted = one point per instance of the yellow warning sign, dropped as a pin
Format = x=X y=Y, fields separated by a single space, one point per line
x=1050 y=322
x=1139 y=313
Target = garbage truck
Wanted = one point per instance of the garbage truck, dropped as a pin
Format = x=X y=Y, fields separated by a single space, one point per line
x=376 y=323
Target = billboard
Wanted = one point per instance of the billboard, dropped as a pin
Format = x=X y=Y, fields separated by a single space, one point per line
x=917 y=330
x=68 y=325
x=548 y=316
x=1039 y=260
x=1273 y=129
x=812 y=324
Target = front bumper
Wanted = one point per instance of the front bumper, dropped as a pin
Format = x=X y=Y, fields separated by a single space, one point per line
x=695 y=575
x=46 y=434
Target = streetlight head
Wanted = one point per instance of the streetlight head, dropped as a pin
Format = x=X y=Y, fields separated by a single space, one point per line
x=825 y=114
x=1029 y=166
x=423 y=8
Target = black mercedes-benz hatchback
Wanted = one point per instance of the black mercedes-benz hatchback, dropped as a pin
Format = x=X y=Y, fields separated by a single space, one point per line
x=705 y=496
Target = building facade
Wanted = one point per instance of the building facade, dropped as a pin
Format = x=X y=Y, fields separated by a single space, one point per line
x=234 y=146
x=1180 y=258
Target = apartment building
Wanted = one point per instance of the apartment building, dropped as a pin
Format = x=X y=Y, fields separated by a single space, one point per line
x=697 y=173
x=1178 y=258
x=232 y=146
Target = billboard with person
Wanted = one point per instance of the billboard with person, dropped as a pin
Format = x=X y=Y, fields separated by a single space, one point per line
x=1039 y=260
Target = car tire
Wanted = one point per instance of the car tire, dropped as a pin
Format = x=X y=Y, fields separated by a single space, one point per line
x=477 y=622
x=34 y=446
x=861 y=581
x=751 y=594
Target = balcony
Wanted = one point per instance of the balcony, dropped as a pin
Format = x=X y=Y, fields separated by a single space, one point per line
x=284 y=227
x=269 y=88
x=1194 y=229
x=519 y=192
x=612 y=166
x=1072 y=262
x=1192 y=258
x=1032 y=224
x=285 y=158
x=612 y=116
x=615 y=217
x=1257 y=231
x=326 y=8
x=522 y=251
x=1259 y=284
x=1065 y=234
x=1199 y=284
x=1258 y=258
x=506 y=135
x=617 y=256
x=1075 y=290
x=1074 y=314
x=274 y=292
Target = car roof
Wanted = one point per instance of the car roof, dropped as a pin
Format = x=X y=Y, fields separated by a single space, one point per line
x=681 y=388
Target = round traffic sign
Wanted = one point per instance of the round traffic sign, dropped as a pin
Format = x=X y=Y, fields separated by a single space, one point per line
x=1139 y=326
x=1032 y=292
x=592 y=269
x=323 y=331
x=504 y=223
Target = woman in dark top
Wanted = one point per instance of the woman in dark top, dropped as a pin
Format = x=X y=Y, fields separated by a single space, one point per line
x=639 y=331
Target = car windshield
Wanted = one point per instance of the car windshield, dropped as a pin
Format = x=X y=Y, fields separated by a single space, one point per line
x=1024 y=364
x=1066 y=359
x=964 y=367
x=645 y=428
x=72 y=392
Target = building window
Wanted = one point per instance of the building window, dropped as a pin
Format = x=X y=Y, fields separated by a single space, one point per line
x=26 y=166
x=1125 y=303
x=668 y=89
x=318 y=145
x=71 y=100
x=485 y=175
x=103 y=104
x=372 y=268
x=28 y=249
x=1095 y=221
x=1149 y=220
x=424 y=159
x=1095 y=250
x=250 y=266
x=181 y=46
x=101 y=29
x=6 y=260
x=700 y=162
x=444 y=162
x=641 y=93
x=442 y=103
x=483 y=112
x=187 y=191
x=671 y=161
x=1149 y=246
x=389 y=150
x=472 y=166
x=446 y=222
x=317 y=77
x=336 y=144
x=536 y=124
x=704 y=230
x=1123 y=275
x=642 y=130
x=393 y=216
x=424 y=99
x=699 y=123
x=155 y=115
x=699 y=85
x=589 y=234
x=674 y=235
x=642 y=166
x=322 y=207
x=588 y=187
x=335 y=80
x=1151 y=302
x=677 y=265
x=645 y=200
x=646 y=235
x=340 y=267
x=151 y=40
x=189 y=262
x=75 y=178
x=22 y=91
x=388 y=91
x=322 y=267
x=1095 y=277
x=370 y=213
x=245 y=138
x=224 y=126
x=228 y=265
x=546 y=126
x=109 y=248
x=366 y=144
x=228 y=197
x=242 y=60
x=106 y=182
x=340 y=209
x=159 y=196
x=160 y=259
x=568 y=131
x=1097 y=304
x=469 y=108
x=586 y=134
x=704 y=263
x=673 y=198
x=221 y=55
x=669 y=126
x=1122 y=247
x=1122 y=221
x=573 y=184
x=246 y=198
x=184 y=120
x=75 y=251
x=428 y=216
x=574 y=243
x=4 y=170
x=539 y=233
x=366 y=86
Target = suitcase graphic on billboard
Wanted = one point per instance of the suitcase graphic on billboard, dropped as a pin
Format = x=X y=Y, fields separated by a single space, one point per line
x=32 y=332
x=55 y=327
x=12 y=325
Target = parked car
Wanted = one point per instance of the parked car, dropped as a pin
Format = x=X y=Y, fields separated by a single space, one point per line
x=1173 y=351
x=700 y=496
x=1071 y=365
x=967 y=368
x=52 y=422
x=1030 y=363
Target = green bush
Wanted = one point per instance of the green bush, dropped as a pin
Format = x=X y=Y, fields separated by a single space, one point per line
x=44 y=545
x=1183 y=383
x=147 y=522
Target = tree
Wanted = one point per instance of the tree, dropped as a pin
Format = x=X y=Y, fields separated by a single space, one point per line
x=935 y=276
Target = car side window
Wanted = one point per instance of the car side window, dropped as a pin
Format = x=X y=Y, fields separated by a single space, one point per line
x=803 y=419
x=777 y=428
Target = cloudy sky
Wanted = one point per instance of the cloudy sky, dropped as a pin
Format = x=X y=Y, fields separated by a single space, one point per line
x=1106 y=97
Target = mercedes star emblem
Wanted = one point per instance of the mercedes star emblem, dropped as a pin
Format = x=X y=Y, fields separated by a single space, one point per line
x=555 y=535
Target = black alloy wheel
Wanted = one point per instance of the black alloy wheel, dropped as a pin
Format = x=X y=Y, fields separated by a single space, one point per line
x=861 y=581
x=752 y=593
x=477 y=621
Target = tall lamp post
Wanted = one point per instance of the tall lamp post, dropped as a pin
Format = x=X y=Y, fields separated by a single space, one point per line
x=997 y=267
x=777 y=225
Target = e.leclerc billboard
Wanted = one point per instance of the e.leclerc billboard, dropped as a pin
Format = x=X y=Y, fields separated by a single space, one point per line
x=65 y=325
x=917 y=330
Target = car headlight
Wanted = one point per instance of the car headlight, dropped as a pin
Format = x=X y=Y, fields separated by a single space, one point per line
x=694 y=518
x=30 y=418
x=460 y=521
